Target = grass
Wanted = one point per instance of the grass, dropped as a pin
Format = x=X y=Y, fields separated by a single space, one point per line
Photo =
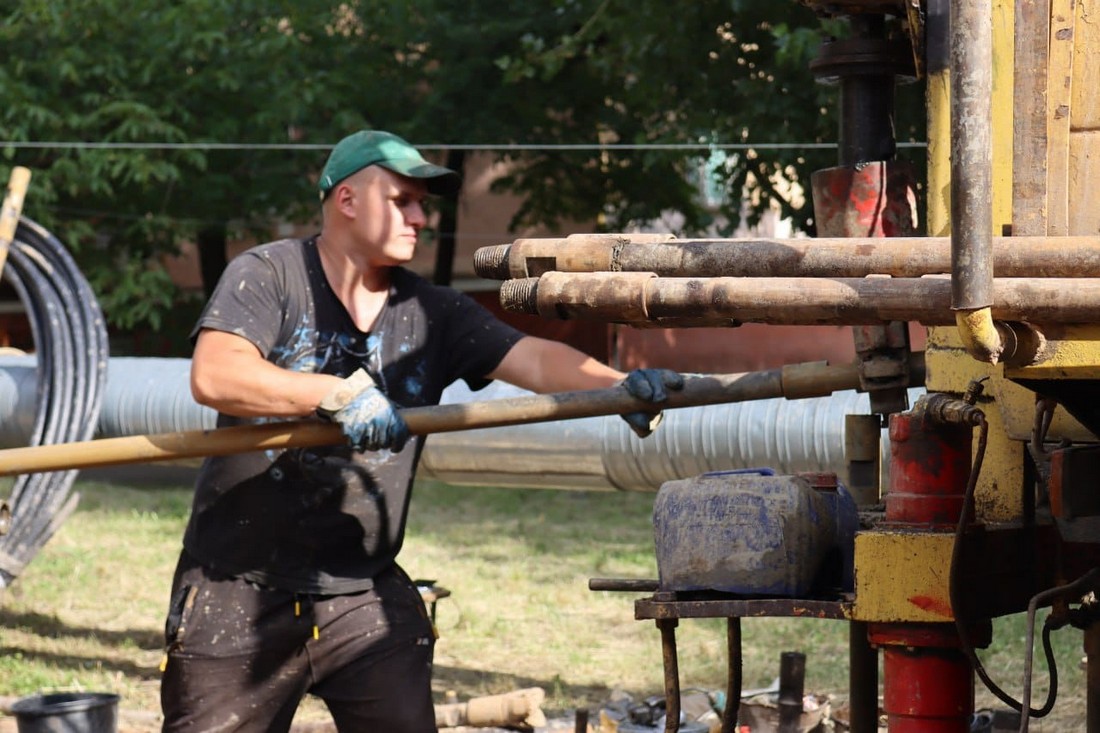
x=87 y=613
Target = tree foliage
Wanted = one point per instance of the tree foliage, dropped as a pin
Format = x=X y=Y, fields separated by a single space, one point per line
x=708 y=73
x=188 y=74
x=197 y=73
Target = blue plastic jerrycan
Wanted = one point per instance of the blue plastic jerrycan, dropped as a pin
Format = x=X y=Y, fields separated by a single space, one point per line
x=754 y=533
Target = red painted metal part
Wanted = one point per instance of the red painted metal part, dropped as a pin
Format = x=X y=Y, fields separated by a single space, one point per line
x=927 y=691
x=876 y=200
x=873 y=200
x=928 y=683
x=929 y=468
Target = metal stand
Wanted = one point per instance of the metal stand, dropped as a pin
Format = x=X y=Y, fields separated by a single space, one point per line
x=668 y=608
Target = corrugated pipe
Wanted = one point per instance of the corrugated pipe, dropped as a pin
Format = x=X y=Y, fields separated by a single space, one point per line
x=153 y=395
x=61 y=400
x=788 y=436
x=141 y=395
x=972 y=178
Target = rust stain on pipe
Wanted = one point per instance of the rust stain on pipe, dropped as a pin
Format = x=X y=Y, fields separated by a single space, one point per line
x=647 y=299
x=1042 y=257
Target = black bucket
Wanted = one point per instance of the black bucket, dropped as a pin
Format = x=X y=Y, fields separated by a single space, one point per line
x=67 y=712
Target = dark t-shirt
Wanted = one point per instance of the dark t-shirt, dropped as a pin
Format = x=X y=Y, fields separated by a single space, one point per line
x=326 y=520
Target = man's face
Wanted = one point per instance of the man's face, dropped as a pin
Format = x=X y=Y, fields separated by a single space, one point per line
x=388 y=215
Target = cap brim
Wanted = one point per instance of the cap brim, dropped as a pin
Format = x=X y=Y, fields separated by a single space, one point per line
x=441 y=181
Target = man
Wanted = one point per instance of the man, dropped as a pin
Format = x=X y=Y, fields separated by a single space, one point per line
x=288 y=583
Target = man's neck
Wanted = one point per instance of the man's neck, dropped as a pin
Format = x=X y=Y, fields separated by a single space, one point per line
x=359 y=285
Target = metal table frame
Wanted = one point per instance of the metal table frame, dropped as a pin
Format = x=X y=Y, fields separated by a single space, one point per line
x=668 y=608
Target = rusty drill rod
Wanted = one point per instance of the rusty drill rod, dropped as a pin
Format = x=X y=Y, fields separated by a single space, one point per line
x=792 y=381
x=642 y=298
x=1037 y=256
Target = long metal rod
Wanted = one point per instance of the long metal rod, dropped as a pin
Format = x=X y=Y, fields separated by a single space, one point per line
x=972 y=286
x=147 y=395
x=793 y=381
x=734 y=674
x=1036 y=256
x=971 y=154
x=643 y=298
x=667 y=627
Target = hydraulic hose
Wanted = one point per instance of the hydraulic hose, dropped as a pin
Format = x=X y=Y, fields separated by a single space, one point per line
x=70 y=339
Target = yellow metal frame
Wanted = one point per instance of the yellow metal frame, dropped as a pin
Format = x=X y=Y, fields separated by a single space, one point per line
x=903 y=576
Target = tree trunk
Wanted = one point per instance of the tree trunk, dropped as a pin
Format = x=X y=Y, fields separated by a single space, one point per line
x=448 y=225
x=211 y=240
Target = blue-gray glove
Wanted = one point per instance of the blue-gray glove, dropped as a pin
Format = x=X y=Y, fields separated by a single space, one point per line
x=366 y=417
x=651 y=385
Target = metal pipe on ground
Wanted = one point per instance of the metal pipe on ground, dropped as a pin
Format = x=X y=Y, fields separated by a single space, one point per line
x=1032 y=257
x=643 y=299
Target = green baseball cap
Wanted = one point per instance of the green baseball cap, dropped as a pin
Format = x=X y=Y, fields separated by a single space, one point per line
x=375 y=147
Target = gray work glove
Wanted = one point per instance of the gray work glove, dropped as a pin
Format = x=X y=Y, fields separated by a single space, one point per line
x=367 y=418
x=651 y=385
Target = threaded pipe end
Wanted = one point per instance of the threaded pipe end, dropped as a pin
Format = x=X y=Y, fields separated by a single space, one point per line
x=492 y=262
x=520 y=296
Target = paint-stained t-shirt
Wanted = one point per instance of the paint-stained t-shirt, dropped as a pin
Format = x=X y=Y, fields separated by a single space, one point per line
x=326 y=520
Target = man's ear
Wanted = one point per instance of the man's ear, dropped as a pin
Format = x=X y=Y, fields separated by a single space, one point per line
x=343 y=199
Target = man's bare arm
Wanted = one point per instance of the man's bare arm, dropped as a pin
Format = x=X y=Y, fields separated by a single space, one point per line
x=541 y=365
x=229 y=374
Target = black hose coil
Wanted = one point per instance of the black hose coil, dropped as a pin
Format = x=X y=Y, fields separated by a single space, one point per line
x=70 y=338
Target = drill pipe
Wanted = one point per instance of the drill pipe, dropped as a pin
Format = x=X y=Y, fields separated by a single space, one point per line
x=645 y=299
x=792 y=381
x=972 y=289
x=1076 y=257
x=972 y=265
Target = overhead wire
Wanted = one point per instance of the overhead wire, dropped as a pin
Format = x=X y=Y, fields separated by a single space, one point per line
x=488 y=147
x=496 y=147
x=71 y=348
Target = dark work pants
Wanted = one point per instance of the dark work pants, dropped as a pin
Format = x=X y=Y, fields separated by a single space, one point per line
x=241 y=657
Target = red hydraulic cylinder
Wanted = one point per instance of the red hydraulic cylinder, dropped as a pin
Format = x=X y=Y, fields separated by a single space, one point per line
x=929 y=467
x=928 y=683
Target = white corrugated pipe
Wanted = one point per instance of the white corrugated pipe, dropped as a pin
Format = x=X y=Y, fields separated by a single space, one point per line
x=141 y=395
x=788 y=436
x=145 y=395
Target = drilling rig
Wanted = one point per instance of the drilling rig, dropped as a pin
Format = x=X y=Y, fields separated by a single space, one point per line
x=988 y=505
x=991 y=505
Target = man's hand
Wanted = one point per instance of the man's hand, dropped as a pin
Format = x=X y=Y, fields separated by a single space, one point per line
x=651 y=385
x=367 y=418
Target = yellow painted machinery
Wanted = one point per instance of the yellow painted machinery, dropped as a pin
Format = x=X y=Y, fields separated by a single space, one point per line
x=992 y=505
